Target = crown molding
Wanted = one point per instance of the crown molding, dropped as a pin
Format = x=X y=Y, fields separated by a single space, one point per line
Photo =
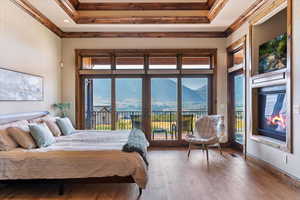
x=75 y=3
x=36 y=14
x=216 y=9
x=68 y=6
x=95 y=16
x=245 y=16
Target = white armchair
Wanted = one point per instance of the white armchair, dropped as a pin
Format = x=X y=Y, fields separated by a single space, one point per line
x=208 y=130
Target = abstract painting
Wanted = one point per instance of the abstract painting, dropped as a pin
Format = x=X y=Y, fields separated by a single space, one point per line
x=273 y=54
x=18 y=86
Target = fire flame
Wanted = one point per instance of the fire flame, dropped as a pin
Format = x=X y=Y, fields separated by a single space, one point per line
x=278 y=120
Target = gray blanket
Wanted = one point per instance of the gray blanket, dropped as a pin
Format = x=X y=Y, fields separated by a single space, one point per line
x=137 y=142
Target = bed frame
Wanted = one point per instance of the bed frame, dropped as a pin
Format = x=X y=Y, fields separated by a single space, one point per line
x=9 y=118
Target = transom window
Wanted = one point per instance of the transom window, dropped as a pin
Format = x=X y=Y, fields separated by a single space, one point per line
x=162 y=63
x=147 y=62
x=195 y=63
x=96 y=62
x=130 y=62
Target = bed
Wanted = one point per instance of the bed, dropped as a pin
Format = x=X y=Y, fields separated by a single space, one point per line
x=88 y=155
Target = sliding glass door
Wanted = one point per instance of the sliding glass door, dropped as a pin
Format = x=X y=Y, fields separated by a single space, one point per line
x=164 y=110
x=195 y=102
x=160 y=91
x=98 y=107
x=128 y=103
x=113 y=103
x=237 y=110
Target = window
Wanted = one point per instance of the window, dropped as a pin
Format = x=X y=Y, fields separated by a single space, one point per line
x=98 y=104
x=152 y=90
x=195 y=102
x=195 y=62
x=129 y=62
x=128 y=103
x=163 y=63
x=96 y=62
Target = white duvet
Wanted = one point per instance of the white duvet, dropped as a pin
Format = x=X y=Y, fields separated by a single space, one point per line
x=84 y=154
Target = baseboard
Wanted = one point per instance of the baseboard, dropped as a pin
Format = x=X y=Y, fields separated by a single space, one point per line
x=284 y=176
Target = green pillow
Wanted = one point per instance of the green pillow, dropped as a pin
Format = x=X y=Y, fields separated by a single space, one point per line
x=65 y=126
x=41 y=134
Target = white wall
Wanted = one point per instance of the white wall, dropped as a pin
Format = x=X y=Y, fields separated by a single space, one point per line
x=27 y=46
x=264 y=152
x=69 y=46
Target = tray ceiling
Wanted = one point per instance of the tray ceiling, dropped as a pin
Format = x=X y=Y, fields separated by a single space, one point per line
x=141 y=18
x=53 y=11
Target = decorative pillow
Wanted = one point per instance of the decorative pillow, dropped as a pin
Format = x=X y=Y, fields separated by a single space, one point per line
x=22 y=136
x=39 y=119
x=6 y=141
x=65 y=126
x=41 y=134
x=51 y=123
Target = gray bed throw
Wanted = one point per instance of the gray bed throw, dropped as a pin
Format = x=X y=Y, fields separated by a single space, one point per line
x=137 y=142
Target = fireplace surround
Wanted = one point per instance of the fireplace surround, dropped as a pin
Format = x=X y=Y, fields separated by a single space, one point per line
x=270 y=119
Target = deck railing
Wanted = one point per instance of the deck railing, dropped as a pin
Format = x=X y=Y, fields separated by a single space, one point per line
x=102 y=120
x=240 y=124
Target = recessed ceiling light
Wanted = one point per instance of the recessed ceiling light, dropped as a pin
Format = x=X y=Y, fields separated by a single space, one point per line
x=66 y=21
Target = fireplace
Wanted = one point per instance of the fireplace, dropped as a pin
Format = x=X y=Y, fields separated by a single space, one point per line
x=272 y=112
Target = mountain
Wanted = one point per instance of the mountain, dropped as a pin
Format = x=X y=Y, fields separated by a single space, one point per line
x=203 y=92
x=164 y=95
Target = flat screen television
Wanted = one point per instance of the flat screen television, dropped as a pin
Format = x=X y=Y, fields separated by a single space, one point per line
x=273 y=54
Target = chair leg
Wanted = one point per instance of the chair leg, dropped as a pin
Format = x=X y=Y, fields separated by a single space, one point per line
x=207 y=158
x=140 y=192
x=189 y=151
x=220 y=148
x=203 y=148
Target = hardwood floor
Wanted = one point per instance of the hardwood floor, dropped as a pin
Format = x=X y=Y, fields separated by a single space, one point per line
x=174 y=177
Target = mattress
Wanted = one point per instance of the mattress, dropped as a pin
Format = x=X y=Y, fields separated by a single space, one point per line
x=84 y=154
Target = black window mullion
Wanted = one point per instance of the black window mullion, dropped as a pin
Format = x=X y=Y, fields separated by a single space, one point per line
x=179 y=62
x=113 y=104
x=113 y=62
x=179 y=108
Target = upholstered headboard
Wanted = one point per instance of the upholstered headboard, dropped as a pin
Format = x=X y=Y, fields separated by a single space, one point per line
x=8 y=118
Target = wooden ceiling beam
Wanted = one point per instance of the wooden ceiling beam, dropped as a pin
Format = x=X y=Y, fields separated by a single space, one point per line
x=216 y=8
x=144 y=20
x=69 y=8
x=31 y=10
x=151 y=17
x=144 y=35
x=36 y=14
x=210 y=3
x=143 y=6
x=75 y=3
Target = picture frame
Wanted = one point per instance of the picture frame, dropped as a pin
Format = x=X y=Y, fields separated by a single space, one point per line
x=20 y=86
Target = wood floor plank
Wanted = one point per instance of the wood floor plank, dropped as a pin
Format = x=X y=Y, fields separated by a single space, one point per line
x=172 y=176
